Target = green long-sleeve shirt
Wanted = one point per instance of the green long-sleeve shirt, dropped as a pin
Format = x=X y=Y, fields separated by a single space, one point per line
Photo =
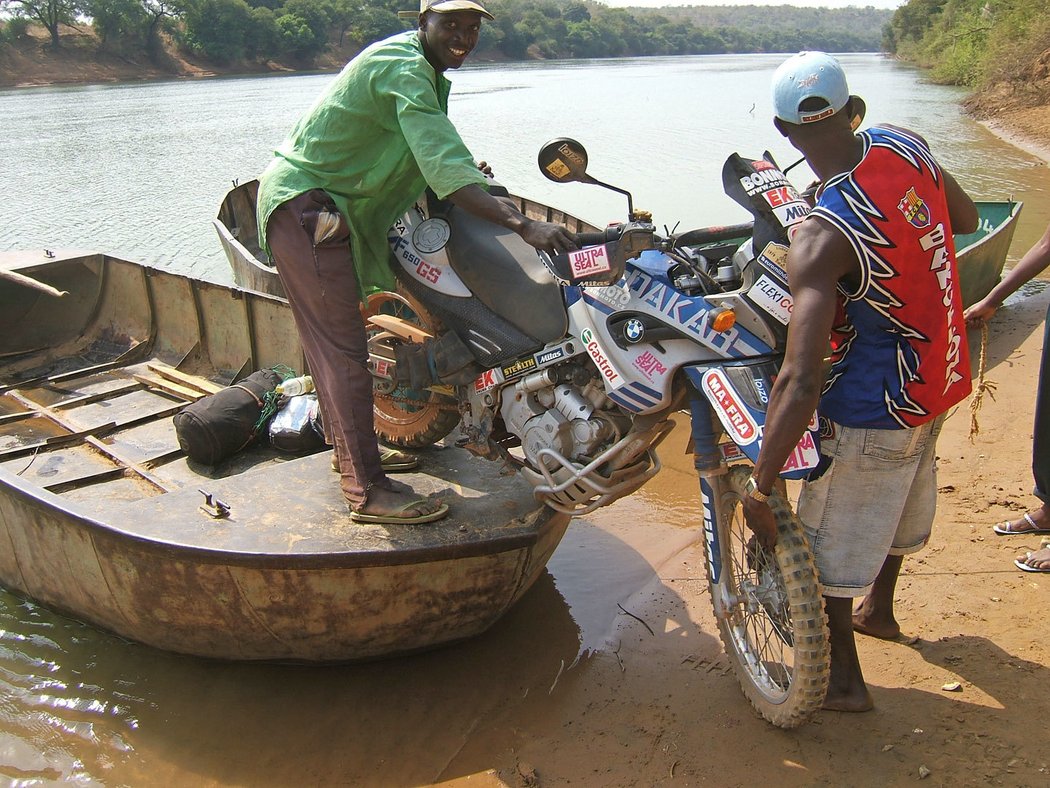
x=374 y=140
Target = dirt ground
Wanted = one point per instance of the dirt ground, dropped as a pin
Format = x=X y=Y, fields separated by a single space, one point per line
x=664 y=708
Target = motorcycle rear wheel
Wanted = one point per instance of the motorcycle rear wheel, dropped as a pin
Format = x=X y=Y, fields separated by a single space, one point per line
x=407 y=417
x=770 y=610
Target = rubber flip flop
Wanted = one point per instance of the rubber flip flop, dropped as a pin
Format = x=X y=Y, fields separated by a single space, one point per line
x=1004 y=529
x=1026 y=568
x=391 y=460
x=396 y=519
x=394 y=460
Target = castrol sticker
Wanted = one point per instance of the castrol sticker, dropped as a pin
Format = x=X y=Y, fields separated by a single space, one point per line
x=611 y=377
x=588 y=261
x=734 y=415
x=772 y=298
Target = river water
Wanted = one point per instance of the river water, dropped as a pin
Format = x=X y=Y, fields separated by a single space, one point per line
x=139 y=170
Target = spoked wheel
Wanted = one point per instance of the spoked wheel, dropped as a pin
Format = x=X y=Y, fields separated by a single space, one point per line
x=407 y=417
x=770 y=609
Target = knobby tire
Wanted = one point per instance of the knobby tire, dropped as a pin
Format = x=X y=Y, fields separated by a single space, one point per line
x=770 y=610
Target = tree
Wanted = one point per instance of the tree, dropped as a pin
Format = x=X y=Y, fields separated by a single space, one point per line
x=49 y=13
x=116 y=22
x=156 y=11
x=216 y=28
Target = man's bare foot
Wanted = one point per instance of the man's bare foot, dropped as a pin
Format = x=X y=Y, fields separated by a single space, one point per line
x=874 y=625
x=397 y=503
x=1036 y=521
x=1037 y=561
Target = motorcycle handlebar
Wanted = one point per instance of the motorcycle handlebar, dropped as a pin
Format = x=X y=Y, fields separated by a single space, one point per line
x=600 y=237
x=707 y=235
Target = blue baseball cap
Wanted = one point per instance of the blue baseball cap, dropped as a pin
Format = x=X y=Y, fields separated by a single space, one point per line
x=804 y=76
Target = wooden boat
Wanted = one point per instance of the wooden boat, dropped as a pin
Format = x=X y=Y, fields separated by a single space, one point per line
x=102 y=517
x=981 y=254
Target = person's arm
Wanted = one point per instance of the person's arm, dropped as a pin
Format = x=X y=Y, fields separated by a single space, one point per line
x=1032 y=263
x=551 y=238
x=819 y=256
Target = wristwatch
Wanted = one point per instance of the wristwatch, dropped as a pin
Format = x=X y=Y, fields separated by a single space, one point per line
x=751 y=487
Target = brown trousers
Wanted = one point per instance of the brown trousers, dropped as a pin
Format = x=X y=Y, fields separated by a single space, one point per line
x=317 y=269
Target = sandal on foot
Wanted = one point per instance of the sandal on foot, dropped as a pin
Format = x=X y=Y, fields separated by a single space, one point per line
x=1025 y=567
x=392 y=461
x=1005 y=529
x=397 y=517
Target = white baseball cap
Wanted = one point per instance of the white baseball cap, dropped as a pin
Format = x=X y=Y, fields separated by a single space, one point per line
x=445 y=6
x=804 y=76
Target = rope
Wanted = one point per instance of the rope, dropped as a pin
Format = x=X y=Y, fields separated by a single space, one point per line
x=983 y=386
x=271 y=399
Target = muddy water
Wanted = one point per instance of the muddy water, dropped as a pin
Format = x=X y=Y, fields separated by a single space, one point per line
x=139 y=170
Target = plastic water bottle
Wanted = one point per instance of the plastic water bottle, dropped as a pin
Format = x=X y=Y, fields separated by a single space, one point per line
x=295 y=386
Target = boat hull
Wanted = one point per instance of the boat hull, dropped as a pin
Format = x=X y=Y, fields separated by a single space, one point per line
x=104 y=519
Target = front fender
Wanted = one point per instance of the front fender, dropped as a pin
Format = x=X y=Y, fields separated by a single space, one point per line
x=739 y=396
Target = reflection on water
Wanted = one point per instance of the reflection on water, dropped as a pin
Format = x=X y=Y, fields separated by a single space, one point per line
x=139 y=170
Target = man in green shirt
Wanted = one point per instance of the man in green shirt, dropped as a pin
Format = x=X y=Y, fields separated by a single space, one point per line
x=358 y=159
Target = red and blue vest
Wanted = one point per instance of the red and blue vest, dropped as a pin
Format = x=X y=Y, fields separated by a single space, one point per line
x=899 y=351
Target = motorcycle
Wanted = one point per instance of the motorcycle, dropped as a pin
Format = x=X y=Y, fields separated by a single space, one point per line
x=568 y=369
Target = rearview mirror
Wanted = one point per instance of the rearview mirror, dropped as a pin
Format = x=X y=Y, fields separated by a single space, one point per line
x=564 y=160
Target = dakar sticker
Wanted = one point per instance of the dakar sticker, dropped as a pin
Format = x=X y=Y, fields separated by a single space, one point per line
x=772 y=298
x=734 y=415
x=589 y=261
x=597 y=354
x=915 y=209
x=558 y=169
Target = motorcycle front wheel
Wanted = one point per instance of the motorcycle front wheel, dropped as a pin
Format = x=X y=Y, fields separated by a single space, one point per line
x=769 y=607
x=404 y=416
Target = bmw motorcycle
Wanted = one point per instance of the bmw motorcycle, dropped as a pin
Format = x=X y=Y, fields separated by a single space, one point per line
x=567 y=369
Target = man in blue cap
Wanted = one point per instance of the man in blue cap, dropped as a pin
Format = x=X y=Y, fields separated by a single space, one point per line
x=374 y=140
x=873 y=269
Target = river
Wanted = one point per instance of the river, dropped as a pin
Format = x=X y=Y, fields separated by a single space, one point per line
x=138 y=170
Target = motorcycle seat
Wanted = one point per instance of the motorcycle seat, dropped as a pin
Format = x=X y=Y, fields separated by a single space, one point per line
x=507 y=275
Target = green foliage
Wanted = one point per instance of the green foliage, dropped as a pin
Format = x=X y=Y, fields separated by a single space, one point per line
x=217 y=29
x=971 y=42
x=14 y=29
x=229 y=31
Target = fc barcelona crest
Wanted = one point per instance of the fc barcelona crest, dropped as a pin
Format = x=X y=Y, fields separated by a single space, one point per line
x=915 y=210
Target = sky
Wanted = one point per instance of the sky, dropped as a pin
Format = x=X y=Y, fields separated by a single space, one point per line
x=885 y=4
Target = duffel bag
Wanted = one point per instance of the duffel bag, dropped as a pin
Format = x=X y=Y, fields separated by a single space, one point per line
x=221 y=424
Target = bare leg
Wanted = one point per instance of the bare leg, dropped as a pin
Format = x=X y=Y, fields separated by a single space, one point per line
x=846 y=690
x=874 y=615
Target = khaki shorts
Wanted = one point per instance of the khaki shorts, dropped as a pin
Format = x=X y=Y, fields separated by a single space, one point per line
x=874 y=495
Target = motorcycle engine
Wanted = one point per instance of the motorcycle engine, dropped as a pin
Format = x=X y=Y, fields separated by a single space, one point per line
x=558 y=422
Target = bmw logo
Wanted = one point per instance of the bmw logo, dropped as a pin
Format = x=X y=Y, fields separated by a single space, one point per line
x=633 y=330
